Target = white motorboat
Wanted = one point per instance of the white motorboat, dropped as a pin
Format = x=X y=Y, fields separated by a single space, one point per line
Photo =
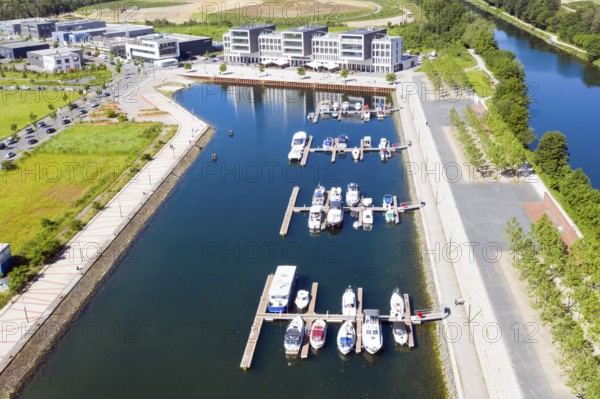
x=310 y=116
x=319 y=195
x=325 y=106
x=282 y=286
x=352 y=194
x=315 y=217
x=295 y=155
x=345 y=106
x=294 y=334
x=318 y=334
x=346 y=338
x=335 y=114
x=387 y=201
x=367 y=202
x=302 y=299
x=335 y=214
x=382 y=155
x=366 y=115
x=367 y=219
x=356 y=154
x=390 y=217
x=367 y=142
x=335 y=194
x=349 y=302
x=400 y=333
x=358 y=106
x=380 y=115
x=299 y=141
x=328 y=143
x=342 y=143
x=335 y=106
x=372 y=338
x=383 y=143
x=396 y=303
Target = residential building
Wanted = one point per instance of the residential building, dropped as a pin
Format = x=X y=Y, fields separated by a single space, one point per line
x=152 y=47
x=38 y=29
x=5 y=258
x=242 y=44
x=56 y=59
x=19 y=50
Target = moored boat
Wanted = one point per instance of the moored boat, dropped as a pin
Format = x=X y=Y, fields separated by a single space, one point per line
x=319 y=195
x=383 y=143
x=366 y=115
x=358 y=106
x=396 y=303
x=387 y=201
x=349 y=302
x=367 y=202
x=310 y=116
x=295 y=155
x=400 y=333
x=335 y=214
x=345 y=106
x=335 y=194
x=372 y=338
x=390 y=217
x=367 y=219
x=342 y=143
x=299 y=141
x=302 y=299
x=315 y=218
x=294 y=334
x=346 y=338
x=335 y=106
x=281 y=289
x=318 y=334
x=380 y=114
x=328 y=143
x=356 y=154
x=352 y=194
x=367 y=142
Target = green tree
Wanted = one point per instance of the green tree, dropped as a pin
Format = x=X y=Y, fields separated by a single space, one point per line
x=261 y=68
x=301 y=71
x=222 y=68
x=344 y=73
x=187 y=65
x=552 y=156
x=13 y=127
x=32 y=117
x=390 y=78
x=118 y=65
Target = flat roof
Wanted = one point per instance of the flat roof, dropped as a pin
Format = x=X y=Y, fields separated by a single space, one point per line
x=283 y=280
x=40 y=22
x=111 y=28
x=306 y=28
x=18 y=21
x=363 y=31
x=254 y=26
x=56 y=51
x=76 y=21
x=24 y=44
x=184 y=38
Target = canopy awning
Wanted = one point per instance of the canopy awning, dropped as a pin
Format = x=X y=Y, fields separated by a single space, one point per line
x=314 y=64
x=331 y=65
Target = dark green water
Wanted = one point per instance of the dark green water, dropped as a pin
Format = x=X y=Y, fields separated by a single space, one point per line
x=173 y=318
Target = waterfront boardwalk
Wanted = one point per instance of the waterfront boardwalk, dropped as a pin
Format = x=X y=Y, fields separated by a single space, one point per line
x=311 y=316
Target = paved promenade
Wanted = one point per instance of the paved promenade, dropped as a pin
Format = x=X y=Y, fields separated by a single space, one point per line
x=19 y=319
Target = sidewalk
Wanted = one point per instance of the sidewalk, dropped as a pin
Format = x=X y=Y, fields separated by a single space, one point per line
x=20 y=318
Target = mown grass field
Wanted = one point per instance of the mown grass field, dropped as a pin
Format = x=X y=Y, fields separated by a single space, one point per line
x=480 y=82
x=17 y=105
x=93 y=78
x=62 y=176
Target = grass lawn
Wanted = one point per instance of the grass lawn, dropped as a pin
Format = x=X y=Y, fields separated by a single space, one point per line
x=95 y=78
x=63 y=175
x=131 y=3
x=23 y=102
x=480 y=82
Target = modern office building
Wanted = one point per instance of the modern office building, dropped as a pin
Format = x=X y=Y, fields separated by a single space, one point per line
x=38 y=29
x=363 y=49
x=190 y=46
x=242 y=44
x=13 y=26
x=19 y=50
x=128 y=30
x=79 y=24
x=56 y=59
x=152 y=48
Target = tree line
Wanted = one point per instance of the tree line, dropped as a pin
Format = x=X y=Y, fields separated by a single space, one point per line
x=15 y=9
x=581 y=27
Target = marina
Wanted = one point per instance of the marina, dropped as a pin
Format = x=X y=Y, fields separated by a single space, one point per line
x=395 y=207
x=364 y=147
x=262 y=316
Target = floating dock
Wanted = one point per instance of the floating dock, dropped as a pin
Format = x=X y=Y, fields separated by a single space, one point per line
x=311 y=315
x=292 y=208
x=335 y=150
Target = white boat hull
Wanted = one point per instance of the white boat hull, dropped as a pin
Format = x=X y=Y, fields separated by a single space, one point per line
x=318 y=342
x=346 y=338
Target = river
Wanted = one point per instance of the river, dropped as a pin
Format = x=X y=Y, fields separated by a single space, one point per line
x=173 y=318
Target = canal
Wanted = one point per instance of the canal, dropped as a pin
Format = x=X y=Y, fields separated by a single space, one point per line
x=173 y=318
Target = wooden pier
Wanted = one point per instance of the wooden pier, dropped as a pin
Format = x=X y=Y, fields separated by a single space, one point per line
x=311 y=316
x=306 y=151
x=288 y=212
x=335 y=150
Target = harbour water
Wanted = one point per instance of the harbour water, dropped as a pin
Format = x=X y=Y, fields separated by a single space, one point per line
x=173 y=318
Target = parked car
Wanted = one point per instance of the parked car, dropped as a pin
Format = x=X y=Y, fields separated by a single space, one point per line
x=9 y=141
x=106 y=94
x=82 y=112
x=10 y=155
x=2 y=146
x=29 y=130
x=32 y=141
x=65 y=121
x=94 y=105
x=41 y=124
x=73 y=105
x=50 y=130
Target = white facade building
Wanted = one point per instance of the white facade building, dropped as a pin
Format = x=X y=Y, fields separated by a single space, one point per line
x=56 y=59
x=152 y=47
x=363 y=49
